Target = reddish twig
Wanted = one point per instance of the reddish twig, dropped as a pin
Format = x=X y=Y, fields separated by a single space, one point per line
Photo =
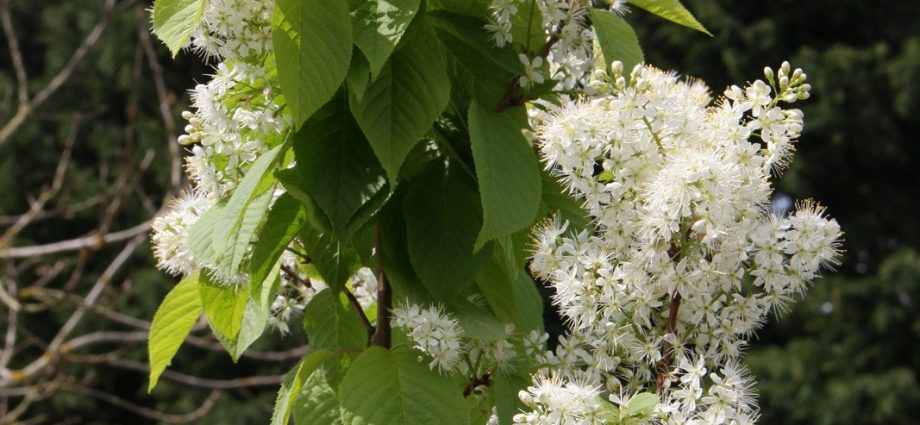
x=384 y=299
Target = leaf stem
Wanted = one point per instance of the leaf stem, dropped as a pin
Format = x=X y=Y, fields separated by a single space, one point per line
x=381 y=336
x=360 y=311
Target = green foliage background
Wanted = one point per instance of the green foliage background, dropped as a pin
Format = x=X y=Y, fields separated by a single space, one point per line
x=848 y=354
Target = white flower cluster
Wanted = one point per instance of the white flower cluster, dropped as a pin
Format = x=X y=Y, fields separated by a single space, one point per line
x=438 y=334
x=569 y=39
x=558 y=400
x=684 y=260
x=236 y=117
x=236 y=30
x=170 y=233
x=434 y=333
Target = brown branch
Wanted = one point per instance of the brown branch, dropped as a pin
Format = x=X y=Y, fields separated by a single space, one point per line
x=514 y=97
x=52 y=351
x=664 y=365
x=25 y=110
x=478 y=381
x=54 y=296
x=15 y=54
x=360 y=312
x=382 y=336
x=304 y=257
x=9 y=345
x=214 y=384
x=192 y=416
x=165 y=104
x=46 y=195
x=66 y=211
x=77 y=244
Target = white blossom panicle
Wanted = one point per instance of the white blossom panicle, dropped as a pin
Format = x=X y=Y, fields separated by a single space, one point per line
x=555 y=400
x=568 y=40
x=234 y=118
x=234 y=29
x=438 y=334
x=434 y=333
x=683 y=260
x=170 y=233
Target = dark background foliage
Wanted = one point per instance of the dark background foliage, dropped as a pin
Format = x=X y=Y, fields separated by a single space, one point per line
x=847 y=354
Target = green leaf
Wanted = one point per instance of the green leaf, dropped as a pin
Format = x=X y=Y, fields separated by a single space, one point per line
x=292 y=384
x=333 y=259
x=239 y=242
x=507 y=170
x=174 y=20
x=474 y=8
x=617 y=39
x=293 y=183
x=224 y=306
x=477 y=67
x=507 y=402
x=379 y=25
x=477 y=322
x=528 y=301
x=201 y=235
x=671 y=10
x=359 y=75
x=317 y=403
x=442 y=218
x=330 y=322
x=395 y=254
x=399 y=107
x=557 y=201
x=480 y=405
x=337 y=166
x=393 y=388
x=284 y=221
x=509 y=290
x=610 y=414
x=470 y=32
x=527 y=28
x=171 y=324
x=640 y=405
x=230 y=229
x=255 y=315
x=312 y=41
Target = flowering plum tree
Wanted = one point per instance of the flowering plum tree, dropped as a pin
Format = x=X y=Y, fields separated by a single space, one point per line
x=374 y=168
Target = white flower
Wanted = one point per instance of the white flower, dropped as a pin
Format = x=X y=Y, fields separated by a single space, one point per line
x=532 y=74
x=683 y=260
x=434 y=332
x=170 y=233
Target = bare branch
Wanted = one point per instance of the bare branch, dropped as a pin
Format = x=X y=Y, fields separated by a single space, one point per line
x=169 y=123
x=15 y=54
x=91 y=241
x=64 y=210
x=51 y=352
x=62 y=76
x=215 y=384
x=192 y=416
x=59 y=173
